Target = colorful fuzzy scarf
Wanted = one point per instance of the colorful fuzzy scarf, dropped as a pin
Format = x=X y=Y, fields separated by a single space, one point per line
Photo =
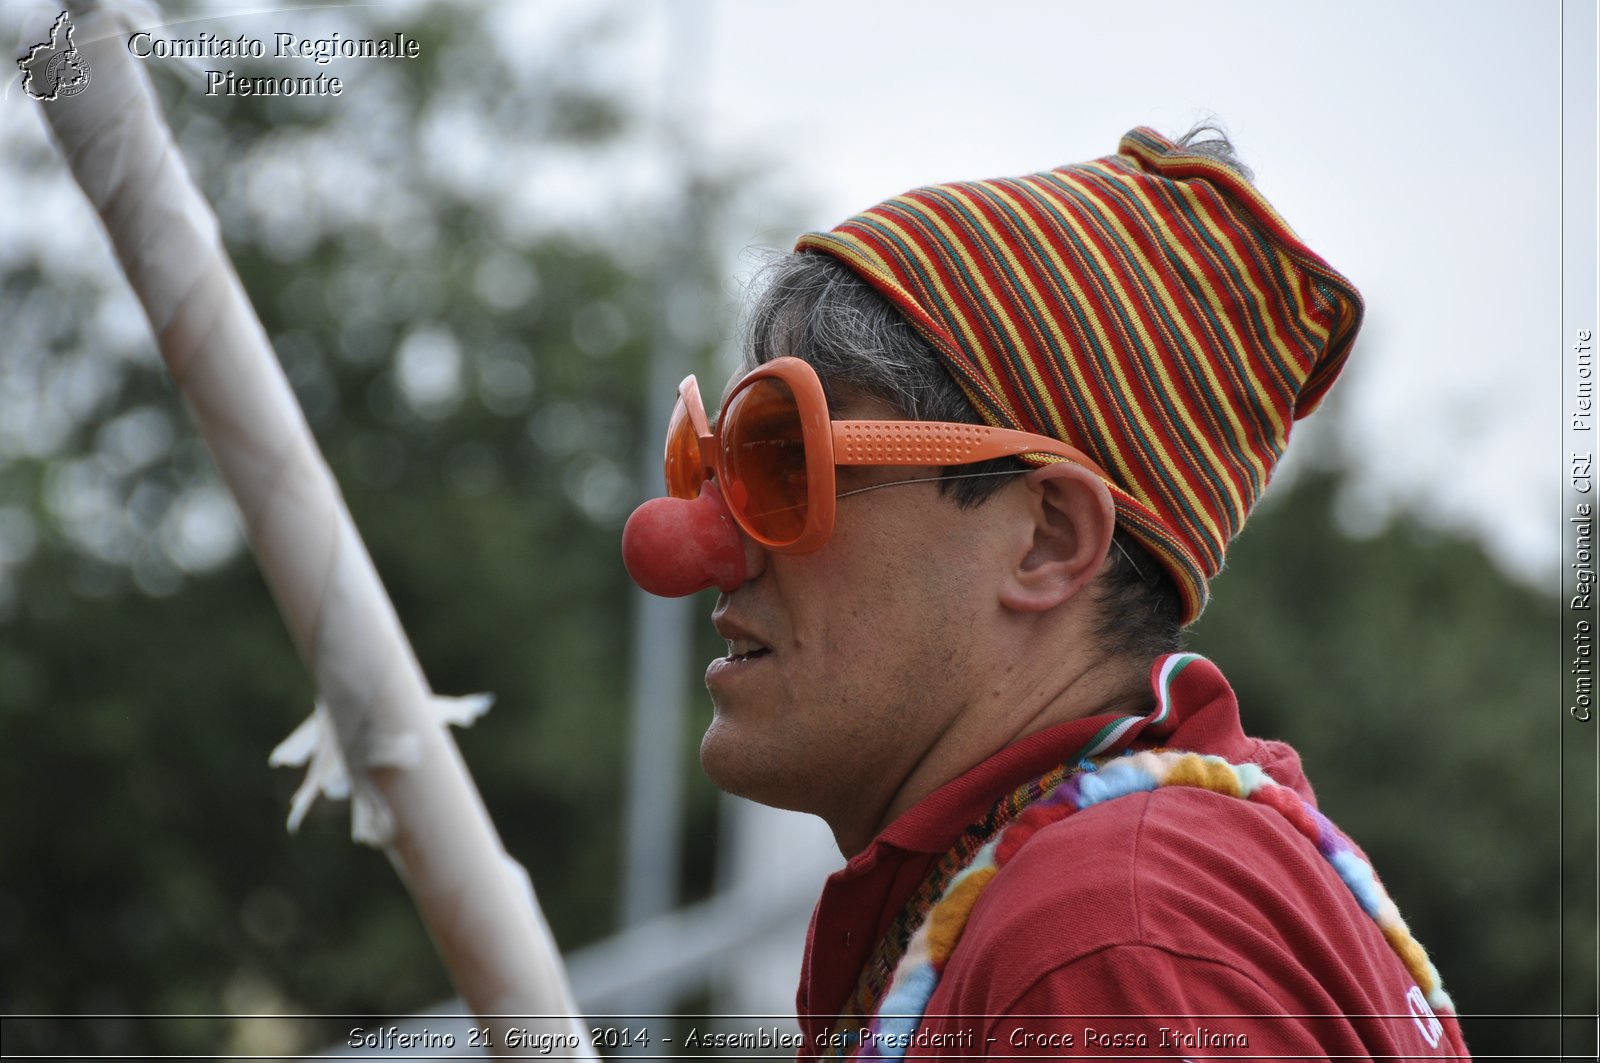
x=934 y=919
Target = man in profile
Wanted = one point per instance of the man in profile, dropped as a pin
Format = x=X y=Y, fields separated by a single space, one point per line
x=988 y=447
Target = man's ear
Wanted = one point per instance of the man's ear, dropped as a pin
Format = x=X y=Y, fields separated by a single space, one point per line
x=1072 y=520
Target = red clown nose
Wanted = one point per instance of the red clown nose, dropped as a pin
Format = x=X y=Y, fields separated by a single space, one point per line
x=676 y=546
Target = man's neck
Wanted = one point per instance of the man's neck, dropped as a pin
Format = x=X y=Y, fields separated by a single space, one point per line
x=1022 y=702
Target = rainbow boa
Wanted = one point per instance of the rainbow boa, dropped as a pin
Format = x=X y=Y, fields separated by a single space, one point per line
x=916 y=976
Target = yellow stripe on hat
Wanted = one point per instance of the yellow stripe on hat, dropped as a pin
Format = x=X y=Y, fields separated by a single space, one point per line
x=1057 y=426
x=955 y=310
x=1097 y=325
x=1115 y=271
x=1194 y=343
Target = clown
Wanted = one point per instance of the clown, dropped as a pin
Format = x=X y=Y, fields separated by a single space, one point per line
x=989 y=445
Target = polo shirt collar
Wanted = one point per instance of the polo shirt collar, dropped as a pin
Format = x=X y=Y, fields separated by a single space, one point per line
x=1184 y=686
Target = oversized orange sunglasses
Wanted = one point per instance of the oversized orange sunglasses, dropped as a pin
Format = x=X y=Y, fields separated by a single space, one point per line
x=774 y=450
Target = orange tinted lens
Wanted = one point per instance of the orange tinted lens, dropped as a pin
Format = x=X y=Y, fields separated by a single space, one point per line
x=685 y=471
x=764 y=461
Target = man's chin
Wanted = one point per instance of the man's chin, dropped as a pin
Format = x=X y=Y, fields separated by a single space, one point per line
x=726 y=764
x=734 y=767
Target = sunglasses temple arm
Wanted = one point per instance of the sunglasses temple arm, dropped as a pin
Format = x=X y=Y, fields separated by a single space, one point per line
x=942 y=443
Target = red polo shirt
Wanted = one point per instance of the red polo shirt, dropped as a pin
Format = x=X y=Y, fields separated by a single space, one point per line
x=1174 y=923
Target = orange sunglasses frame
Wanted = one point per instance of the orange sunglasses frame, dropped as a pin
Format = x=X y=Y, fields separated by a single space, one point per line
x=833 y=443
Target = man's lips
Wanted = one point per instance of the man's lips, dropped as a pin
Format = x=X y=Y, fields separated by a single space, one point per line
x=743 y=643
x=745 y=657
x=746 y=650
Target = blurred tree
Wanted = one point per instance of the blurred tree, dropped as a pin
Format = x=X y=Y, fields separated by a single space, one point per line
x=472 y=364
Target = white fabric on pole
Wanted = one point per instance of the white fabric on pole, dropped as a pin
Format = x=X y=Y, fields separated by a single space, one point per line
x=315 y=745
x=392 y=741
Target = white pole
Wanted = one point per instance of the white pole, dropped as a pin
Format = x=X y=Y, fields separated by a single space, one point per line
x=415 y=797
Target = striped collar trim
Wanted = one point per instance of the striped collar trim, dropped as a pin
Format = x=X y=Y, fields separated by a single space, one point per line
x=1164 y=674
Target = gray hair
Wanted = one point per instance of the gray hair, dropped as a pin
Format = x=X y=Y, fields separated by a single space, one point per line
x=1209 y=138
x=813 y=307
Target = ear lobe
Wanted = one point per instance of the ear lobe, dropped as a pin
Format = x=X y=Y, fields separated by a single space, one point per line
x=1072 y=520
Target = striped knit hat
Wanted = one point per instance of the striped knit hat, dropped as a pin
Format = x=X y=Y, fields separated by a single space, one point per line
x=1149 y=308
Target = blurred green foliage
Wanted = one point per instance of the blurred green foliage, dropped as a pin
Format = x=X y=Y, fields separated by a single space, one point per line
x=476 y=384
x=474 y=373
